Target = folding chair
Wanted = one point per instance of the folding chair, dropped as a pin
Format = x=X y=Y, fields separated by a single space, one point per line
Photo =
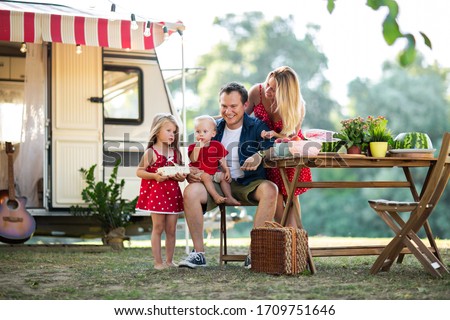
x=406 y=230
x=224 y=256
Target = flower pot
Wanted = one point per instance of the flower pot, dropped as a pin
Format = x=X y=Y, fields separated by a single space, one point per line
x=354 y=150
x=378 y=149
x=115 y=238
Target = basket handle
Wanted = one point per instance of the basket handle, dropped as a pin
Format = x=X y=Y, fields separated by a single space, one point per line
x=272 y=224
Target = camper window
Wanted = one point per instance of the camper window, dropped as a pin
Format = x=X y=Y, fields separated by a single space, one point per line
x=122 y=92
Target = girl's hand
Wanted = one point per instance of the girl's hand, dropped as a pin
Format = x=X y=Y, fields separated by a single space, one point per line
x=178 y=177
x=227 y=176
x=200 y=144
x=160 y=178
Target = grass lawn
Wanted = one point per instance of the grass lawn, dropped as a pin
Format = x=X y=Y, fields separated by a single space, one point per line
x=96 y=272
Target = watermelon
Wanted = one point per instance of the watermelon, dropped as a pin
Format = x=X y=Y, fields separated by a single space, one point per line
x=318 y=135
x=332 y=146
x=329 y=144
x=412 y=140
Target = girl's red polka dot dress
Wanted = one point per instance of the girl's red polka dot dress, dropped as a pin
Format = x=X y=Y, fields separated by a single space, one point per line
x=160 y=197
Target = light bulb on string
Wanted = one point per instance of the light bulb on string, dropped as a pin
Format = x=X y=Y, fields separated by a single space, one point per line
x=147 y=31
x=23 y=47
x=113 y=10
x=78 y=49
x=134 y=25
x=166 y=32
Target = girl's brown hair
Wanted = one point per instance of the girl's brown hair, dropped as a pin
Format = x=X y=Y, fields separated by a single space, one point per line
x=159 y=121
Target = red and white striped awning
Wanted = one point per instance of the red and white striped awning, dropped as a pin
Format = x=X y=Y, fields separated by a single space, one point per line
x=32 y=22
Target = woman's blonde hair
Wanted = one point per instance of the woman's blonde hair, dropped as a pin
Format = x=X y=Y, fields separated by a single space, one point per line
x=290 y=103
x=159 y=121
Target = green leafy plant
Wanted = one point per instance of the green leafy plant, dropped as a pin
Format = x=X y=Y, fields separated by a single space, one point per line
x=391 y=29
x=354 y=133
x=377 y=129
x=104 y=200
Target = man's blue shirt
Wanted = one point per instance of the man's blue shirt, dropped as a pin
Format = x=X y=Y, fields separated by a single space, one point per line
x=250 y=142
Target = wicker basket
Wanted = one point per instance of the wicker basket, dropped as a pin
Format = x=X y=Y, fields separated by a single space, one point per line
x=279 y=250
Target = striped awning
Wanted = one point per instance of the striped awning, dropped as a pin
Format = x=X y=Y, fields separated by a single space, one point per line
x=32 y=22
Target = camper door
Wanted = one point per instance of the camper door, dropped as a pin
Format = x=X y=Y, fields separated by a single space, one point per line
x=76 y=138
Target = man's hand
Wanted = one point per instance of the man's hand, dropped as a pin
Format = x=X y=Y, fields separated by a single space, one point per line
x=194 y=175
x=252 y=163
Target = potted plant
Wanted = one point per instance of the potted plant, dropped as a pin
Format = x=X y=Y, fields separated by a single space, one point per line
x=354 y=134
x=105 y=204
x=379 y=135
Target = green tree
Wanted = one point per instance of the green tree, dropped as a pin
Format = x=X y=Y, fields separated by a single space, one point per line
x=391 y=29
x=255 y=46
x=413 y=98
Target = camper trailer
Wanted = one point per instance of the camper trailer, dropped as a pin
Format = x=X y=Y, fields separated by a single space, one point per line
x=76 y=89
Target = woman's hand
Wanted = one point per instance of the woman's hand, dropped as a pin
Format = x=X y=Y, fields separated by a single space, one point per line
x=270 y=134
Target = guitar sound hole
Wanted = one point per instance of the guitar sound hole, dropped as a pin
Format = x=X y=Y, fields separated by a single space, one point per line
x=12 y=204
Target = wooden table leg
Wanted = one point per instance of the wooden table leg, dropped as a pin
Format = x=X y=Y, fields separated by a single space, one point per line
x=290 y=190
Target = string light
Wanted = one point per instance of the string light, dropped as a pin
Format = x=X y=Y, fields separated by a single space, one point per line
x=166 y=32
x=147 y=31
x=23 y=47
x=113 y=10
x=78 y=50
x=134 y=25
x=147 y=26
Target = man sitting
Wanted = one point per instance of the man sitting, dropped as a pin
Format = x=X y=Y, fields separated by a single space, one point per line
x=241 y=136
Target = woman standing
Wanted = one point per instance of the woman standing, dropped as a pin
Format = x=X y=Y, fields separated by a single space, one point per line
x=278 y=102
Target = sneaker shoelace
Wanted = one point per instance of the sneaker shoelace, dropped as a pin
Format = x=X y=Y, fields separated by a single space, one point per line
x=195 y=255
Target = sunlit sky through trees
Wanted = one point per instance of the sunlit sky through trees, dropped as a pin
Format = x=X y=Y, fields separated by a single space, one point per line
x=351 y=37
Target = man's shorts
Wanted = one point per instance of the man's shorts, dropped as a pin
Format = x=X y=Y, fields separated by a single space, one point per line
x=244 y=194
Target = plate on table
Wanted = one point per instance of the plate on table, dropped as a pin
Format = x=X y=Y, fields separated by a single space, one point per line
x=412 y=153
x=330 y=153
x=412 y=150
x=352 y=155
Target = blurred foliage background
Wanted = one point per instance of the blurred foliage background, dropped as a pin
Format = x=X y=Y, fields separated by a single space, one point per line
x=413 y=98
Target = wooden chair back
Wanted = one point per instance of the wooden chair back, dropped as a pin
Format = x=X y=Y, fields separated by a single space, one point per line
x=435 y=185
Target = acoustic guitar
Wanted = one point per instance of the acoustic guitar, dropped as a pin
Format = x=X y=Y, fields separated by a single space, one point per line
x=16 y=224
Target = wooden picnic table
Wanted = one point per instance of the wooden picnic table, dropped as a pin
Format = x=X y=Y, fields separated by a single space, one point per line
x=340 y=161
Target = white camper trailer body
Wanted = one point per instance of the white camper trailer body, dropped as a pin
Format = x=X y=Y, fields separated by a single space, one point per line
x=82 y=122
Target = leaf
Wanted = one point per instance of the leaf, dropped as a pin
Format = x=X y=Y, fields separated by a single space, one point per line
x=408 y=55
x=426 y=40
x=391 y=31
x=375 y=4
x=330 y=6
x=393 y=8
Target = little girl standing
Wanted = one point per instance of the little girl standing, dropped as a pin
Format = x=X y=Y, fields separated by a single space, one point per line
x=161 y=195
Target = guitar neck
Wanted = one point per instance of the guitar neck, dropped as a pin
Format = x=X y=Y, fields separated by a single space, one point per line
x=10 y=152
